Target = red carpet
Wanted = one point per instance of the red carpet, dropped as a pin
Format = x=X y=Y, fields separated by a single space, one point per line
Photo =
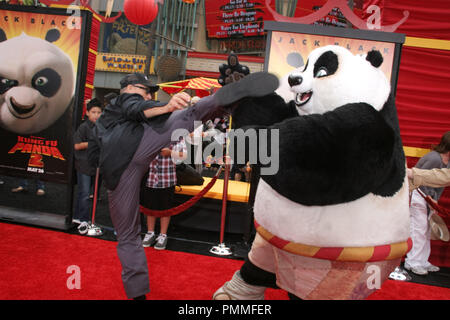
x=34 y=264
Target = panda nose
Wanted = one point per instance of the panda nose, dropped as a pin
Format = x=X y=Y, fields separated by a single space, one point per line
x=294 y=80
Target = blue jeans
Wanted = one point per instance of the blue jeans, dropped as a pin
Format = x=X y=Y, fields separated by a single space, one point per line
x=39 y=184
x=82 y=205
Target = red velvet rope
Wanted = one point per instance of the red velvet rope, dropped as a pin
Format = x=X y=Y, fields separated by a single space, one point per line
x=182 y=207
x=440 y=210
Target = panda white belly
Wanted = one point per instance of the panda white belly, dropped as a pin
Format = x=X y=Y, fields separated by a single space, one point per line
x=368 y=221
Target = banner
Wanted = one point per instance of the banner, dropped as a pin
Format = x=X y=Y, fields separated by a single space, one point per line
x=40 y=81
x=245 y=18
x=284 y=43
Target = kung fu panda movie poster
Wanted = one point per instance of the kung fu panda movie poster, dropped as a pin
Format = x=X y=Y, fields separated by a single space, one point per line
x=42 y=54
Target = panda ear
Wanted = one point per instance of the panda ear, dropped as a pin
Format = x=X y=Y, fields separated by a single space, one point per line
x=52 y=35
x=3 y=36
x=295 y=59
x=375 y=58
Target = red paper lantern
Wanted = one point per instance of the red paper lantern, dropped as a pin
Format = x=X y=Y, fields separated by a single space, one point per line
x=140 y=12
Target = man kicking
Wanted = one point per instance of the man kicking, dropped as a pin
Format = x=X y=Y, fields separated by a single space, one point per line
x=131 y=132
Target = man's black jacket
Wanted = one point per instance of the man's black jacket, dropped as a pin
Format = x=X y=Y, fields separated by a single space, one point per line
x=117 y=135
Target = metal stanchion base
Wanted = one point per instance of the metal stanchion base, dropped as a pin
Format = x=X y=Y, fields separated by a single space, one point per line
x=94 y=231
x=400 y=275
x=221 y=250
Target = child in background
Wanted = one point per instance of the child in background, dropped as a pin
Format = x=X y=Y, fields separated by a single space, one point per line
x=417 y=258
x=159 y=191
x=84 y=171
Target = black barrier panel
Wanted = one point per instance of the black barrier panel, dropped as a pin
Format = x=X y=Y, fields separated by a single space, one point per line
x=42 y=75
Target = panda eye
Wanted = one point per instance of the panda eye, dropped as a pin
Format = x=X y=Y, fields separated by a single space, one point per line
x=41 y=81
x=47 y=82
x=6 y=84
x=322 y=72
x=306 y=66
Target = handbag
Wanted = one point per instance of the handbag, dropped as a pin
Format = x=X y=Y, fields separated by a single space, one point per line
x=186 y=175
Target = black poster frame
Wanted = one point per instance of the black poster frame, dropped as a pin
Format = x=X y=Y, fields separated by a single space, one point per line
x=43 y=218
x=397 y=38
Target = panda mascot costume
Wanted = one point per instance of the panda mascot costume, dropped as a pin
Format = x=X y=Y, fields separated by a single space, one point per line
x=333 y=222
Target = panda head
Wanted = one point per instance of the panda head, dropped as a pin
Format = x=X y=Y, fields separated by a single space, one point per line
x=333 y=76
x=36 y=82
x=294 y=59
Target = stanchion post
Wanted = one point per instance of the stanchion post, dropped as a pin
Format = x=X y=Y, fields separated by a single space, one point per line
x=93 y=230
x=222 y=249
x=224 y=198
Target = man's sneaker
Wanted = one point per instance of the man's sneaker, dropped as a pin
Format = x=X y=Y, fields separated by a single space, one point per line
x=432 y=268
x=254 y=85
x=77 y=221
x=83 y=228
x=149 y=239
x=161 y=242
x=40 y=192
x=421 y=271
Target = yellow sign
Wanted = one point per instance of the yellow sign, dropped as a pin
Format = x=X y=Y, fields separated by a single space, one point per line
x=127 y=63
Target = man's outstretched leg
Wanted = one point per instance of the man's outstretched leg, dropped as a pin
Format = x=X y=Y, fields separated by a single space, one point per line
x=124 y=200
x=158 y=135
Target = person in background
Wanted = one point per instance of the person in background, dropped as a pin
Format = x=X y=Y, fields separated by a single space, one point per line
x=159 y=191
x=108 y=98
x=85 y=172
x=417 y=258
x=24 y=184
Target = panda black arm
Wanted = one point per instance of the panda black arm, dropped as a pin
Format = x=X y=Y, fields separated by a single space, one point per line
x=336 y=157
x=263 y=111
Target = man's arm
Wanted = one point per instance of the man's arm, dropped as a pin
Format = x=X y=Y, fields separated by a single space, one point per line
x=435 y=178
x=80 y=138
x=178 y=102
x=81 y=146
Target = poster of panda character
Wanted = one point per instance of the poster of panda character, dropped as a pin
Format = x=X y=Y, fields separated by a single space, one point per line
x=41 y=88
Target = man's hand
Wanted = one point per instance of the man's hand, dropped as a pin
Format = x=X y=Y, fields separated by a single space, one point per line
x=178 y=101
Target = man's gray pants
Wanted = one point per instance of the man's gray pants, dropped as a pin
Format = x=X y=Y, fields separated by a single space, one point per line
x=124 y=200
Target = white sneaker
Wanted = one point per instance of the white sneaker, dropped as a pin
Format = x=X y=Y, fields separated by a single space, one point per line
x=421 y=271
x=149 y=239
x=77 y=221
x=432 y=268
x=161 y=242
x=83 y=228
